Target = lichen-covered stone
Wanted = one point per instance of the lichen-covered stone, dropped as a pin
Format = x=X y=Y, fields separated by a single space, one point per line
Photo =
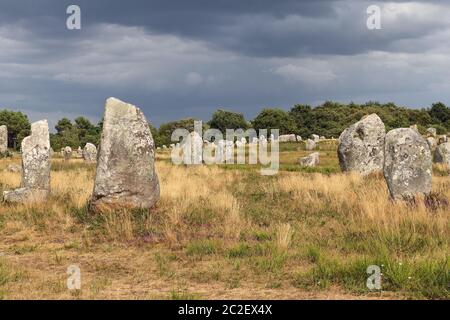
x=311 y=160
x=3 y=139
x=67 y=153
x=432 y=143
x=361 y=146
x=310 y=144
x=286 y=138
x=431 y=132
x=89 y=152
x=125 y=175
x=407 y=165
x=442 y=153
x=35 y=184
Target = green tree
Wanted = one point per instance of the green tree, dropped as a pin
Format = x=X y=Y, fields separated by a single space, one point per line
x=274 y=119
x=303 y=116
x=86 y=131
x=18 y=127
x=155 y=135
x=440 y=114
x=75 y=135
x=63 y=125
x=222 y=120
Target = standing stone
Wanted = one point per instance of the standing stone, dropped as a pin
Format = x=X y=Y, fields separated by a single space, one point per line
x=442 y=139
x=3 y=139
x=220 y=152
x=310 y=144
x=125 y=173
x=442 y=153
x=432 y=143
x=361 y=146
x=287 y=138
x=310 y=161
x=229 y=147
x=315 y=137
x=193 y=149
x=431 y=132
x=67 y=152
x=407 y=164
x=197 y=148
x=299 y=138
x=35 y=185
x=89 y=152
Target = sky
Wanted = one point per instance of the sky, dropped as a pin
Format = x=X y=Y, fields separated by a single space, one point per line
x=178 y=59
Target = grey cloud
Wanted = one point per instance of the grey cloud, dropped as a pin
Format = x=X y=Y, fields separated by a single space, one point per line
x=187 y=58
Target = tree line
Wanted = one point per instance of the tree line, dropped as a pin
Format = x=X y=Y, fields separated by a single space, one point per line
x=328 y=119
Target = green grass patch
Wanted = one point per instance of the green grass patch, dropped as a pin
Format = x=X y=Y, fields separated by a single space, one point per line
x=203 y=248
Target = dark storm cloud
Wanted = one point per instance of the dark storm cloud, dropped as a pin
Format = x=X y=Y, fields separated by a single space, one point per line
x=187 y=58
x=255 y=28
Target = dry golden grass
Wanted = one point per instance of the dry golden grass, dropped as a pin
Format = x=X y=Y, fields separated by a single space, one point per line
x=221 y=233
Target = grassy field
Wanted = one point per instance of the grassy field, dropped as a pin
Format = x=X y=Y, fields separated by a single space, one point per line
x=227 y=232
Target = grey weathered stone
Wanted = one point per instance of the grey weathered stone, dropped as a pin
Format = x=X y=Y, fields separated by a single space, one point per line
x=310 y=144
x=432 y=143
x=3 y=139
x=299 y=138
x=442 y=139
x=431 y=132
x=286 y=138
x=89 y=152
x=193 y=149
x=125 y=175
x=311 y=160
x=229 y=147
x=407 y=164
x=67 y=153
x=442 y=153
x=315 y=137
x=361 y=146
x=35 y=185
x=220 y=151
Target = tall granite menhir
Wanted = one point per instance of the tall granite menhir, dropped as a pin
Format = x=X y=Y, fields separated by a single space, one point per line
x=407 y=164
x=361 y=146
x=125 y=174
x=35 y=185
